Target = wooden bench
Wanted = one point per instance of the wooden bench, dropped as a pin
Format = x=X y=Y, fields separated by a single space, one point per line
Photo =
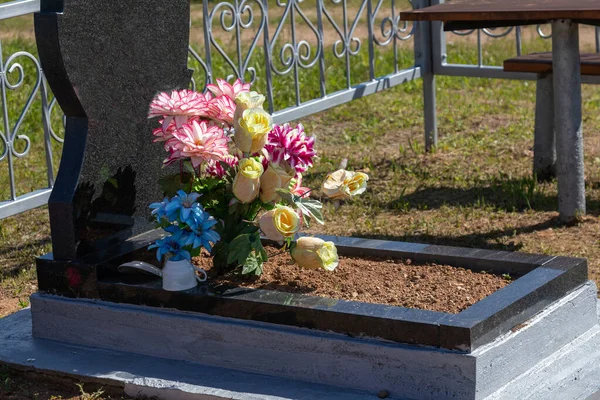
x=544 y=148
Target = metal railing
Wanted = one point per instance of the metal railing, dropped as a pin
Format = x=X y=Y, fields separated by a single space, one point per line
x=300 y=45
x=15 y=144
x=304 y=39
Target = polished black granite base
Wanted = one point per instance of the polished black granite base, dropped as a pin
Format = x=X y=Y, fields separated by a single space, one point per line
x=541 y=280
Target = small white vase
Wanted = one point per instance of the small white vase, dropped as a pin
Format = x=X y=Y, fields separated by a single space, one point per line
x=176 y=275
x=181 y=275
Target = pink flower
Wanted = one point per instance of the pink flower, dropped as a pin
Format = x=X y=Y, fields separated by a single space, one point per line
x=199 y=141
x=162 y=135
x=179 y=103
x=297 y=188
x=293 y=145
x=165 y=133
x=224 y=88
x=221 y=109
x=179 y=106
x=215 y=168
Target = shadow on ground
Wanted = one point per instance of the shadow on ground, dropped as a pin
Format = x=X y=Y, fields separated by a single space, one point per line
x=507 y=195
x=484 y=240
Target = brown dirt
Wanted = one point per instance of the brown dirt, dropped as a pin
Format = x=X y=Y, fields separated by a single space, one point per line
x=373 y=280
x=14 y=300
x=8 y=304
x=16 y=385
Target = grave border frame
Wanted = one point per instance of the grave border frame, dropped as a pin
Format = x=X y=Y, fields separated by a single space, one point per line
x=542 y=279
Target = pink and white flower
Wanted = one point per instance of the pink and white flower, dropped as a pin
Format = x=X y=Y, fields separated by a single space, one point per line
x=215 y=168
x=297 y=188
x=225 y=88
x=165 y=133
x=292 y=145
x=199 y=141
x=179 y=106
x=162 y=135
x=174 y=155
x=179 y=103
x=221 y=109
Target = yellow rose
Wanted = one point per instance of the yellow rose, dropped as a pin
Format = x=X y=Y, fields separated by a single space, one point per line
x=246 y=100
x=246 y=184
x=286 y=221
x=314 y=253
x=277 y=176
x=343 y=184
x=267 y=226
x=251 y=130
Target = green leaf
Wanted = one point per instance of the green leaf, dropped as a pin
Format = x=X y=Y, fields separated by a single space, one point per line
x=268 y=206
x=233 y=208
x=311 y=208
x=253 y=265
x=250 y=229
x=259 y=249
x=306 y=220
x=239 y=249
x=291 y=244
x=219 y=255
x=172 y=183
x=187 y=165
x=253 y=209
x=286 y=196
x=195 y=252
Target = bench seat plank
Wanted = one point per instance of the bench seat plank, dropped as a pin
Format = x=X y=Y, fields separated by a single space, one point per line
x=541 y=63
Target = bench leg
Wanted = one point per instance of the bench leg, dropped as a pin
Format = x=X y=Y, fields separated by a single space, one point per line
x=544 y=145
x=567 y=119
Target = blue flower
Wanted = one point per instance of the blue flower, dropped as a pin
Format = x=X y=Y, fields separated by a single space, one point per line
x=201 y=222
x=172 y=244
x=159 y=209
x=182 y=204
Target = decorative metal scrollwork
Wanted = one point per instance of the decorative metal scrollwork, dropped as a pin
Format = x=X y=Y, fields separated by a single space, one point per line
x=10 y=135
x=542 y=34
x=196 y=57
x=297 y=53
x=492 y=32
x=236 y=17
x=391 y=26
x=348 y=44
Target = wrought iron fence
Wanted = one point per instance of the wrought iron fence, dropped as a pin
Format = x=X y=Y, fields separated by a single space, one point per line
x=21 y=74
x=298 y=39
x=305 y=55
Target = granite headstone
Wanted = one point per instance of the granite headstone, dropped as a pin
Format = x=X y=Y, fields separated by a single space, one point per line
x=105 y=60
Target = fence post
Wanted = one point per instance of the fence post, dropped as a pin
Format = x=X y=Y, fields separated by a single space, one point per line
x=425 y=57
x=207 y=32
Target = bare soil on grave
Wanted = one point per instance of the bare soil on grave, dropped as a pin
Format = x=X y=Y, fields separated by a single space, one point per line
x=395 y=282
x=8 y=304
x=17 y=385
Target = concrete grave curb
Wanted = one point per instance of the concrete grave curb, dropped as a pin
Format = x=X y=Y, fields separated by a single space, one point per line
x=360 y=364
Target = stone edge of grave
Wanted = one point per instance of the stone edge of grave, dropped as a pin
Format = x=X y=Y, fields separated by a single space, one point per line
x=525 y=352
x=147 y=376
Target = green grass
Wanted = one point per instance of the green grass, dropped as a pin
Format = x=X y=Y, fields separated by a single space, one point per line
x=474 y=189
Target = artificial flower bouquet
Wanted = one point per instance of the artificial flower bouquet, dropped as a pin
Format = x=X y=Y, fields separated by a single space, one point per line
x=239 y=176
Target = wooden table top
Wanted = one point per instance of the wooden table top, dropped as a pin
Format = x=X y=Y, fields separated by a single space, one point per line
x=468 y=14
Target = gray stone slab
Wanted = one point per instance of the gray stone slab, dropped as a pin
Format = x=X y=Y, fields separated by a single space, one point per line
x=515 y=353
x=573 y=372
x=150 y=376
x=325 y=358
x=288 y=352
